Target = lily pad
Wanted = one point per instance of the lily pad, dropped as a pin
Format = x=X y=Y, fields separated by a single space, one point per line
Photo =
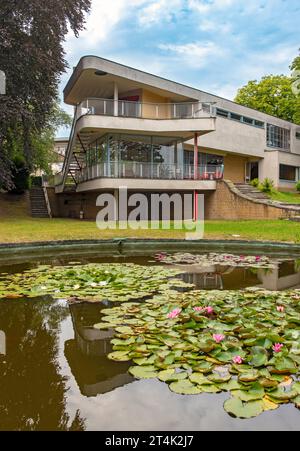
x=184 y=387
x=240 y=409
x=143 y=372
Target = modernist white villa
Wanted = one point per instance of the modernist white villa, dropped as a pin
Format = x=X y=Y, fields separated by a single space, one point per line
x=152 y=134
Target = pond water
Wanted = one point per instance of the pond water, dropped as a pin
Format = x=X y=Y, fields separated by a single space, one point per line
x=54 y=373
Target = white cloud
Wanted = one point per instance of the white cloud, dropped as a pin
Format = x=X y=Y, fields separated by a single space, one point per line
x=103 y=18
x=204 y=7
x=195 y=54
x=210 y=25
x=160 y=10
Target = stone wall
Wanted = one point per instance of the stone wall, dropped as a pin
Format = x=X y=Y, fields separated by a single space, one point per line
x=226 y=203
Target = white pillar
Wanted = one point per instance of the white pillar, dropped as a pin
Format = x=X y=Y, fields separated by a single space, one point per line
x=116 y=100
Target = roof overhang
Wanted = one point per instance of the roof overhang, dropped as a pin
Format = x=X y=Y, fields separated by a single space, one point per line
x=84 y=82
x=179 y=128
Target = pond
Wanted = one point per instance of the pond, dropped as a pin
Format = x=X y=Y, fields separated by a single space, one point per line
x=55 y=374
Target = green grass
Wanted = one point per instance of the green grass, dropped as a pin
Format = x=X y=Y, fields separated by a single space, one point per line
x=286 y=197
x=16 y=226
x=26 y=229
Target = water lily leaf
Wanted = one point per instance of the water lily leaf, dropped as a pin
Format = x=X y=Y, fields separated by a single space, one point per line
x=249 y=376
x=143 y=372
x=296 y=401
x=255 y=392
x=269 y=405
x=267 y=383
x=284 y=365
x=281 y=394
x=210 y=388
x=199 y=379
x=239 y=409
x=184 y=387
x=230 y=385
x=203 y=367
x=258 y=356
x=124 y=330
x=120 y=356
x=171 y=375
x=219 y=377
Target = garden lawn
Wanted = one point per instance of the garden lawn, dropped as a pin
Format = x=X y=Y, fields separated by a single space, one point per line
x=286 y=197
x=26 y=229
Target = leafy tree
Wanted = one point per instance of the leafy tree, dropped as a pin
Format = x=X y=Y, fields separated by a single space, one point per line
x=32 y=34
x=273 y=95
x=43 y=142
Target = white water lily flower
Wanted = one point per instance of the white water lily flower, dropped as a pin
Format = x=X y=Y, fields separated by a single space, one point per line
x=76 y=287
x=103 y=283
x=93 y=284
x=43 y=287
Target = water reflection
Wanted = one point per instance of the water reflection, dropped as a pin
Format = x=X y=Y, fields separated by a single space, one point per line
x=219 y=277
x=32 y=395
x=86 y=354
x=54 y=373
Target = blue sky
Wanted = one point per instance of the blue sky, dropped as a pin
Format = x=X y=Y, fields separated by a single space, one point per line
x=214 y=45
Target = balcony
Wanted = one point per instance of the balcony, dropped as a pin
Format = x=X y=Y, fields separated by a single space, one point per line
x=152 y=171
x=158 y=111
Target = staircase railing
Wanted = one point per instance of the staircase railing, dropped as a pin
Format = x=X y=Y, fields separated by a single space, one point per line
x=68 y=155
x=47 y=201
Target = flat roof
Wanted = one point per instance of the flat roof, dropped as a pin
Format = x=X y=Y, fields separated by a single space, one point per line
x=92 y=62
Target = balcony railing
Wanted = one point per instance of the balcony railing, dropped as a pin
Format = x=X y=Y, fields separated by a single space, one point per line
x=124 y=108
x=136 y=170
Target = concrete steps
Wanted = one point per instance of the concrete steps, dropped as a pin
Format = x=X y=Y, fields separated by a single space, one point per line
x=251 y=191
x=38 y=203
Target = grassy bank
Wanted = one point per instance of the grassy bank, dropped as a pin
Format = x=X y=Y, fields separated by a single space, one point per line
x=25 y=229
x=16 y=226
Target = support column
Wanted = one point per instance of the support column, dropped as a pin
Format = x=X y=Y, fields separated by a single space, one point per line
x=116 y=100
x=195 y=176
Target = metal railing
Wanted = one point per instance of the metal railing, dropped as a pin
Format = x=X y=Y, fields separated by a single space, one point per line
x=124 y=108
x=137 y=170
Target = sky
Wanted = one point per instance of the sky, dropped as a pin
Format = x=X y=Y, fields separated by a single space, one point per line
x=213 y=45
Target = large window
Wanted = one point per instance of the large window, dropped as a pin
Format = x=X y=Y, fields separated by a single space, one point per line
x=288 y=173
x=135 y=148
x=204 y=159
x=278 y=137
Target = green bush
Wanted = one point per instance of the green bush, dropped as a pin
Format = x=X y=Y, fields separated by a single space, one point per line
x=267 y=185
x=255 y=183
x=298 y=186
x=20 y=175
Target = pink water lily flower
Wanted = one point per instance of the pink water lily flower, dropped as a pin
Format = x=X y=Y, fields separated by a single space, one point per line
x=198 y=309
x=218 y=337
x=174 y=313
x=280 y=308
x=277 y=347
x=237 y=359
x=160 y=256
x=209 y=310
x=257 y=258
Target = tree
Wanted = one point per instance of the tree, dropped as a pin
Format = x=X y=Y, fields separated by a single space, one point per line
x=43 y=142
x=274 y=95
x=32 y=33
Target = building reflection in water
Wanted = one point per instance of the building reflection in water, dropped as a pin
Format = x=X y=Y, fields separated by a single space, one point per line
x=87 y=354
x=219 y=277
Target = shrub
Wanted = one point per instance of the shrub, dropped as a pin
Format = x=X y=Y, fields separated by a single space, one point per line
x=255 y=183
x=20 y=175
x=267 y=185
x=298 y=186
